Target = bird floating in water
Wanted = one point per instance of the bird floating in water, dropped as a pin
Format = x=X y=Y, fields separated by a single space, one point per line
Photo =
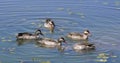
x=49 y=24
x=27 y=35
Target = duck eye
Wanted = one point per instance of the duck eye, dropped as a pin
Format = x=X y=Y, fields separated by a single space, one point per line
x=88 y=31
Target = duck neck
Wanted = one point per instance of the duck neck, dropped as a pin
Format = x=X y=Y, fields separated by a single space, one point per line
x=60 y=43
x=37 y=33
x=85 y=36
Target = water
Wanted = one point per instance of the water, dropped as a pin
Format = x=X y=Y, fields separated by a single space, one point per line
x=101 y=17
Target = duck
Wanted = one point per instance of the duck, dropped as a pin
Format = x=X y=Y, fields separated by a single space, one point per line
x=79 y=36
x=83 y=46
x=51 y=43
x=49 y=24
x=27 y=35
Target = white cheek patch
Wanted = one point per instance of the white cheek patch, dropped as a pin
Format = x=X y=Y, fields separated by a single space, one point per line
x=61 y=39
x=50 y=22
x=85 y=32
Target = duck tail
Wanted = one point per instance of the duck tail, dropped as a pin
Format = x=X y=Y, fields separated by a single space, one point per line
x=20 y=34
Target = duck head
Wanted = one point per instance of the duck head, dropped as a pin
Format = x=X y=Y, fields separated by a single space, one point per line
x=87 y=32
x=48 y=20
x=38 y=31
x=50 y=25
x=61 y=39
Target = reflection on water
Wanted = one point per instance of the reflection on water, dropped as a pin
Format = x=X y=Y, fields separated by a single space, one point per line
x=22 y=41
x=99 y=16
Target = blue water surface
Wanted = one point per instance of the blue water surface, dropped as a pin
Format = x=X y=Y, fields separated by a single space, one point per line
x=101 y=17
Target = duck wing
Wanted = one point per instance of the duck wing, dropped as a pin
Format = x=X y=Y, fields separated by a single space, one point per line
x=49 y=39
x=75 y=34
x=90 y=45
x=24 y=33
